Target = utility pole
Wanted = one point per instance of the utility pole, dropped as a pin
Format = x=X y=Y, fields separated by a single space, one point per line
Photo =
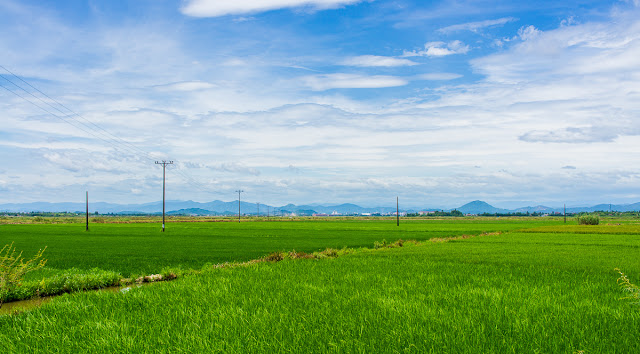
x=565 y=213
x=268 y=207
x=397 y=212
x=239 y=191
x=258 y=214
x=87 y=210
x=164 y=167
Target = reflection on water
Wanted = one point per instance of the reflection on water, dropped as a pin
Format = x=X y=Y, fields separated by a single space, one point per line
x=23 y=305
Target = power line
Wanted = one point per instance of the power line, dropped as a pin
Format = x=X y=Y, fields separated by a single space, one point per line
x=90 y=128
x=61 y=118
x=72 y=114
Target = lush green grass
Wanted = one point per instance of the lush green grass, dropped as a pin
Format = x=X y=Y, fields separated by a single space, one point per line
x=141 y=248
x=514 y=292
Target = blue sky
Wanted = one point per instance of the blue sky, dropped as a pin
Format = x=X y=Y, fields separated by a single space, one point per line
x=322 y=101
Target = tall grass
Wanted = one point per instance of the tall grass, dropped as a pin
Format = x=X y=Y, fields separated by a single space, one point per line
x=588 y=220
x=514 y=292
x=141 y=249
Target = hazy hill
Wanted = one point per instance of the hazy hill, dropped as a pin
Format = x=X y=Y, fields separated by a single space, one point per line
x=480 y=207
x=218 y=207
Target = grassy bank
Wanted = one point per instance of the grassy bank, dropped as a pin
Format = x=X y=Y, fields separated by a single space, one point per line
x=515 y=292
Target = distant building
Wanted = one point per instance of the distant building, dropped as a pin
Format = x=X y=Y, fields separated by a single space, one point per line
x=426 y=212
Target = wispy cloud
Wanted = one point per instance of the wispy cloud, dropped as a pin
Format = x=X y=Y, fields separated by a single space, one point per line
x=571 y=135
x=439 y=49
x=214 y=8
x=476 y=26
x=231 y=97
x=375 y=60
x=185 y=86
x=340 y=80
x=438 y=76
x=231 y=167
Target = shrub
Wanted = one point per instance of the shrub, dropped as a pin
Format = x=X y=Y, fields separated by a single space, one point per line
x=275 y=257
x=377 y=244
x=588 y=220
x=626 y=285
x=13 y=267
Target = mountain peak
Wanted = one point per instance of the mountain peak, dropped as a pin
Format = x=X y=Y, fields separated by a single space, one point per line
x=479 y=207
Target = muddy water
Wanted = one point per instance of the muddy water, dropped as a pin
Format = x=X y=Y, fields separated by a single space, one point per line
x=24 y=305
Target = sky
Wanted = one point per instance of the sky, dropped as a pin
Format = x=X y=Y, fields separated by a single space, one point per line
x=321 y=101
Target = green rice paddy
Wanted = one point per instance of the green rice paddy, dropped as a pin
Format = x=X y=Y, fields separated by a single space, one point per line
x=539 y=286
x=140 y=248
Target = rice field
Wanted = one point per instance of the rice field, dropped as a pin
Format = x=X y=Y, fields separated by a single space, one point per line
x=140 y=248
x=534 y=286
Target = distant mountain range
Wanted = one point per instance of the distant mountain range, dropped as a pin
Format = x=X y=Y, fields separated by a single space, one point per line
x=230 y=208
x=480 y=207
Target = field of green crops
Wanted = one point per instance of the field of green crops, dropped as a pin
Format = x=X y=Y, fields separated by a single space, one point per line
x=141 y=248
x=538 y=286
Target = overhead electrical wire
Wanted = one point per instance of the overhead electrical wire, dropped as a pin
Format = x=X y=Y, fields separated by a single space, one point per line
x=72 y=113
x=90 y=127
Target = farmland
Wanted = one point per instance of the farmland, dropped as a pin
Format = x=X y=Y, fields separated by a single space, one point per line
x=140 y=248
x=536 y=286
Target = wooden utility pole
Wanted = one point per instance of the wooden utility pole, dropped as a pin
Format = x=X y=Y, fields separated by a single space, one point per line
x=258 y=214
x=239 y=191
x=87 y=211
x=164 y=167
x=397 y=212
x=565 y=213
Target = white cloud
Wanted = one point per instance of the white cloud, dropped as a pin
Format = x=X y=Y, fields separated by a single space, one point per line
x=375 y=60
x=568 y=52
x=439 y=49
x=231 y=167
x=571 y=135
x=339 y=80
x=573 y=89
x=528 y=32
x=476 y=26
x=185 y=86
x=439 y=76
x=214 y=8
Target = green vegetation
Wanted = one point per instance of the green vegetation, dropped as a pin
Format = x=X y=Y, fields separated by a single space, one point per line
x=135 y=249
x=436 y=213
x=516 y=291
x=56 y=282
x=109 y=252
x=588 y=220
x=471 y=285
x=632 y=289
x=13 y=268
